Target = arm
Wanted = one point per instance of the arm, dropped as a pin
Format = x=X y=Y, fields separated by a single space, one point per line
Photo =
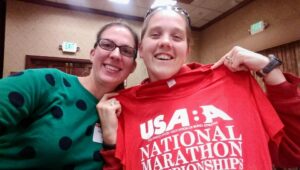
x=111 y=162
x=287 y=91
x=19 y=97
x=240 y=59
x=108 y=109
x=284 y=95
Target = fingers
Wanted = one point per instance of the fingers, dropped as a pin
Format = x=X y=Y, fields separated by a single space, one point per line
x=109 y=105
x=109 y=95
x=240 y=59
x=221 y=61
x=118 y=111
x=105 y=99
x=218 y=63
x=233 y=60
x=108 y=109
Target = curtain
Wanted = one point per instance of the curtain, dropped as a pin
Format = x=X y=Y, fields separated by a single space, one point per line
x=289 y=54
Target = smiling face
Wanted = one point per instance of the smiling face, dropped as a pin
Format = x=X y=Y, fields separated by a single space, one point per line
x=111 y=67
x=164 y=47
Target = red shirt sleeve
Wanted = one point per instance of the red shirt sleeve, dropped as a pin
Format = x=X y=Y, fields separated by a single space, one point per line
x=285 y=98
x=111 y=162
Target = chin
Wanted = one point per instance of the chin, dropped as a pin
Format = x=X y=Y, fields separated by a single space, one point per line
x=109 y=79
x=165 y=75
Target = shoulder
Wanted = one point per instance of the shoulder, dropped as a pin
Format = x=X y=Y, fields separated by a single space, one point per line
x=47 y=73
x=38 y=72
x=38 y=76
x=43 y=71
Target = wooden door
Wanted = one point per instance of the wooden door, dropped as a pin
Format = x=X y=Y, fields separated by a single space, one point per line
x=79 y=67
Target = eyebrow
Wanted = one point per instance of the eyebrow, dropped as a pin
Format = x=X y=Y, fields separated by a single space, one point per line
x=122 y=44
x=176 y=29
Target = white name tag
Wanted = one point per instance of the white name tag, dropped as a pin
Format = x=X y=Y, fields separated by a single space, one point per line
x=97 y=135
x=171 y=83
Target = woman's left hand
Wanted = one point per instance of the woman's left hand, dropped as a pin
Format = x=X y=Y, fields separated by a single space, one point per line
x=241 y=59
x=109 y=108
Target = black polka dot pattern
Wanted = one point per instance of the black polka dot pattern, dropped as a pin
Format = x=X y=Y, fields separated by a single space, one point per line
x=69 y=167
x=65 y=143
x=50 y=79
x=2 y=129
x=66 y=83
x=16 y=99
x=81 y=105
x=26 y=122
x=56 y=112
x=89 y=130
x=17 y=74
x=28 y=152
x=97 y=156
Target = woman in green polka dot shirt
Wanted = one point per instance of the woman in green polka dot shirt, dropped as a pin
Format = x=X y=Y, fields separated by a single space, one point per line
x=48 y=119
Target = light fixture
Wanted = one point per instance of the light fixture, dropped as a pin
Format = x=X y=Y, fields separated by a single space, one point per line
x=163 y=2
x=120 y=1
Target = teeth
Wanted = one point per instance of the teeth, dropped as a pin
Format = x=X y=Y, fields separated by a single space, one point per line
x=163 y=57
x=112 y=68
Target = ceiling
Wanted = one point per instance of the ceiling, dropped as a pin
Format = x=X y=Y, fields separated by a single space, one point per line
x=202 y=12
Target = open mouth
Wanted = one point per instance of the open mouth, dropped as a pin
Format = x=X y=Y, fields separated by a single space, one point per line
x=111 y=68
x=164 y=57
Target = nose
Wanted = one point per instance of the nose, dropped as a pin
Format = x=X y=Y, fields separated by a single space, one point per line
x=165 y=41
x=115 y=54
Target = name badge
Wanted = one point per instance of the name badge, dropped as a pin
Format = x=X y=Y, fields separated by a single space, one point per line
x=97 y=135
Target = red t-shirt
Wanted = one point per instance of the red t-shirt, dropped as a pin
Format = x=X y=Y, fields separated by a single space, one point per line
x=198 y=119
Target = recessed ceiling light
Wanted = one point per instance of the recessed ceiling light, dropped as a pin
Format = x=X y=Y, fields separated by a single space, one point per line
x=120 y=1
x=163 y=2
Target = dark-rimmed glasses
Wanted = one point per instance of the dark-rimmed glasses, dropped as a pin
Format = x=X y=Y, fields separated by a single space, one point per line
x=109 y=45
x=173 y=8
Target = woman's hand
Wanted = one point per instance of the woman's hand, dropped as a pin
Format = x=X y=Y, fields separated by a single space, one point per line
x=241 y=59
x=109 y=108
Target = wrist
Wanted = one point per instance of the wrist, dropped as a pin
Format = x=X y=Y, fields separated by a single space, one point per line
x=274 y=77
x=274 y=62
x=109 y=138
x=108 y=146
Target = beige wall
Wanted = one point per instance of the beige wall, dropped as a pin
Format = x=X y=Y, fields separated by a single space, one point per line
x=38 y=30
x=282 y=15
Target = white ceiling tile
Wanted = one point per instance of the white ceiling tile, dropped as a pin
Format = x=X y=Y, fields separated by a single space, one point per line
x=199 y=22
x=218 y=5
x=70 y=2
x=189 y=8
x=228 y=5
x=201 y=11
x=126 y=9
x=197 y=3
x=52 y=0
x=144 y=3
x=212 y=15
x=93 y=4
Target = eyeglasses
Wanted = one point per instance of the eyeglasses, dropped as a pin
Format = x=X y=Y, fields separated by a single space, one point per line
x=169 y=7
x=109 y=45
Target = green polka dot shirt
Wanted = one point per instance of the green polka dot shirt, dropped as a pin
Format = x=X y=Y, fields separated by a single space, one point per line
x=47 y=121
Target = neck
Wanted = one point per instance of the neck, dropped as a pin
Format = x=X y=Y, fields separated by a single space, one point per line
x=97 y=89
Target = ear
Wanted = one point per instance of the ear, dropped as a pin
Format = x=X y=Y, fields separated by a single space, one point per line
x=92 y=54
x=188 y=51
x=133 y=67
x=140 y=49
